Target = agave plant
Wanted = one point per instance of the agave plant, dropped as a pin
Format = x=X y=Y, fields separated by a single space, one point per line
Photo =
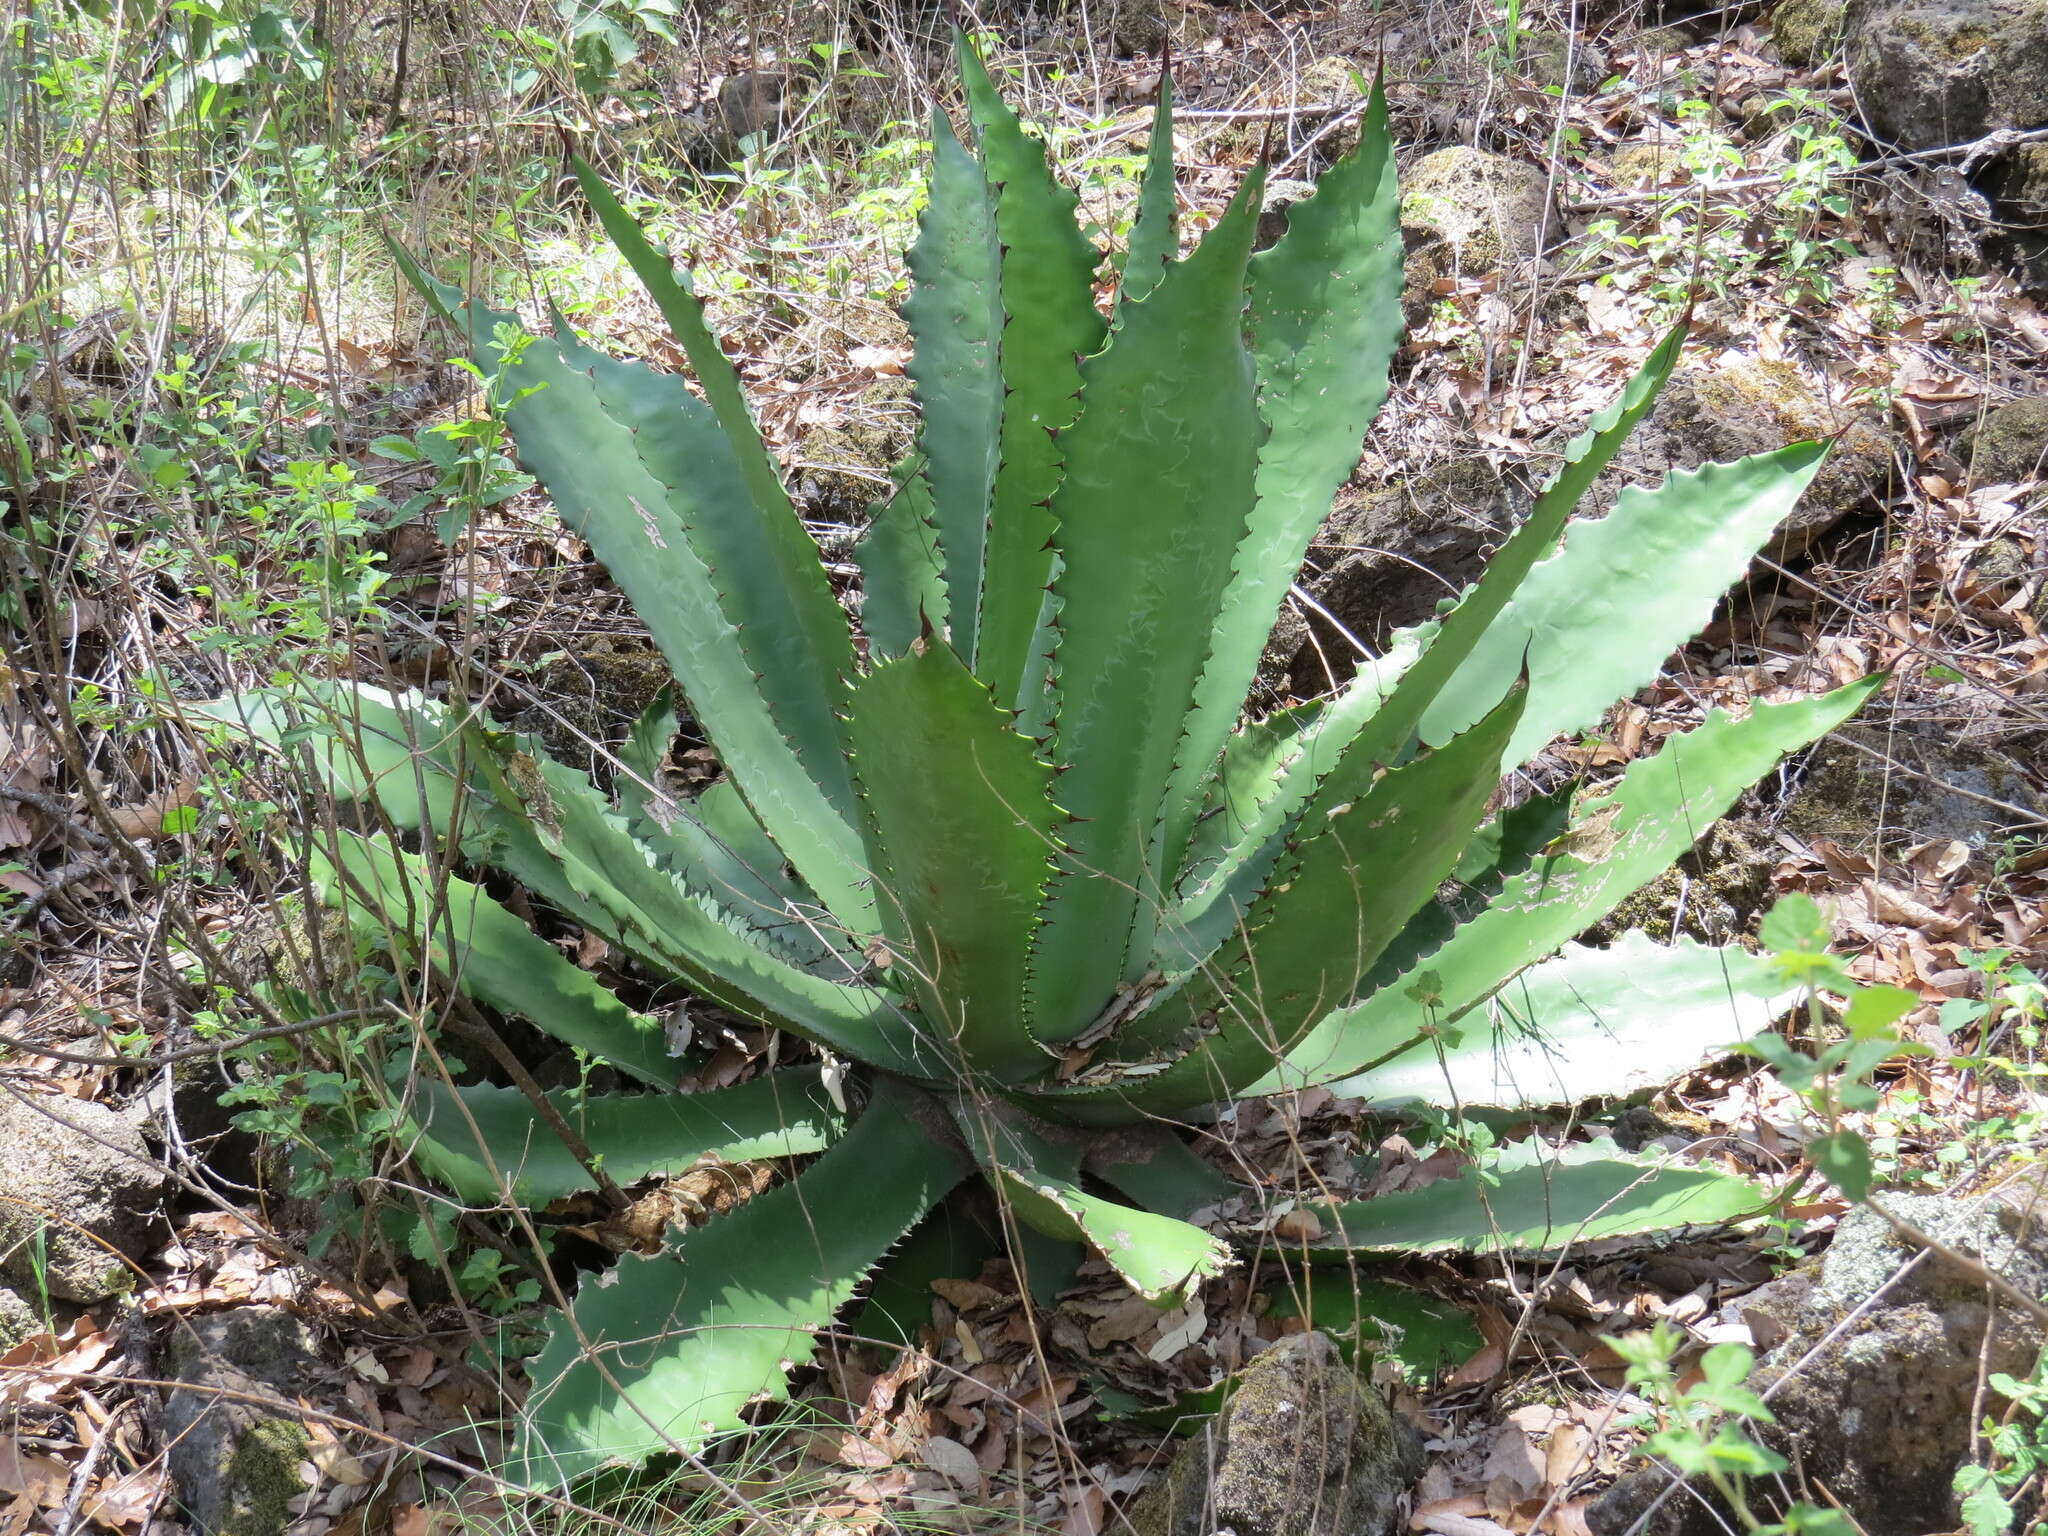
x=1007 y=854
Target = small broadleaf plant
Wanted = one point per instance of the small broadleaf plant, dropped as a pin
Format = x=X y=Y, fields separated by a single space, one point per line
x=1007 y=852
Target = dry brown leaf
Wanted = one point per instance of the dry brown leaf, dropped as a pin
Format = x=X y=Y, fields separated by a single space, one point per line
x=1084 y=1511
x=1299 y=1225
x=145 y=820
x=952 y=1461
x=123 y=1503
x=1568 y=1454
x=32 y=1474
x=967 y=1294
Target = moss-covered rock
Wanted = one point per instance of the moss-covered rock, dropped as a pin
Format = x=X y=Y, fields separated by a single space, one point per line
x=1807 y=32
x=1643 y=165
x=1876 y=1361
x=2010 y=445
x=1927 y=73
x=1881 y=791
x=1561 y=61
x=590 y=698
x=1467 y=212
x=239 y=1467
x=843 y=466
x=1303 y=1448
x=1715 y=892
x=1140 y=28
x=1735 y=406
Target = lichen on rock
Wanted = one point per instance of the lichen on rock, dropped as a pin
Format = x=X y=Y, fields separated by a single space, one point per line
x=1881 y=791
x=1737 y=405
x=2011 y=443
x=1303 y=1448
x=84 y=1196
x=1806 y=32
x=1467 y=212
x=1929 y=73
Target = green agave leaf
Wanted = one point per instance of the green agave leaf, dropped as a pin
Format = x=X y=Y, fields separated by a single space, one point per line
x=960 y=834
x=1325 y=319
x=665 y=1351
x=1619 y=842
x=955 y=313
x=491 y=954
x=714 y=845
x=1598 y=619
x=1368 y=855
x=1050 y=322
x=1159 y=1256
x=1589 y=1024
x=1420 y=1334
x=1153 y=1166
x=646 y=472
x=1388 y=733
x=1153 y=504
x=1540 y=1200
x=478 y=1140
x=1155 y=235
x=568 y=845
x=1268 y=770
x=777 y=538
x=902 y=579
x=949 y=1244
x=364 y=744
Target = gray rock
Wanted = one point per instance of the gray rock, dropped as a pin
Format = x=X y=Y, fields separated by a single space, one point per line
x=1735 y=406
x=238 y=1465
x=64 y=1157
x=1561 y=61
x=1806 y=32
x=1933 y=72
x=2010 y=444
x=1874 y=1375
x=1467 y=212
x=1877 y=791
x=19 y=1318
x=1304 y=1448
x=1882 y=1414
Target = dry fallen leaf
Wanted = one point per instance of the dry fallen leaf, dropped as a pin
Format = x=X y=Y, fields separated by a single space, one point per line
x=32 y=1474
x=952 y=1461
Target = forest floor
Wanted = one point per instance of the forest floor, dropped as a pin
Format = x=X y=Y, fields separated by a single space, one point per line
x=238 y=355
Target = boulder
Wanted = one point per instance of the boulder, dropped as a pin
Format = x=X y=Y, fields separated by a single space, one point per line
x=1560 y=61
x=1875 y=791
x=1140 y=28
x=2010 y=444
x=1932 y=72
x=1807 y=32
x=1467 y=212
x=1716 y=411
x=590 y=697
x=19 y=1318
x=1874 y=1362
x=81 y=1162
x=239 y=1466
x=1644 y=165
x=1303 y=1448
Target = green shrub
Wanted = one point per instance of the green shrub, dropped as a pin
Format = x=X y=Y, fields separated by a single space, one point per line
x=1009 y=858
